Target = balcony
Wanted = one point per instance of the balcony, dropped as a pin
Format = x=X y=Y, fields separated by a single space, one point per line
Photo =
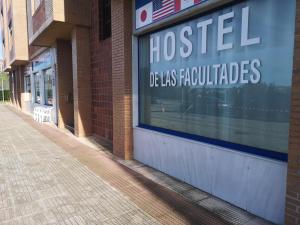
x=16 y=50
x=12 y=54
x=2 y=35
x=55 y=19
x=1 y=7
x=39 y=17
x=9 y=13
x=6 y=67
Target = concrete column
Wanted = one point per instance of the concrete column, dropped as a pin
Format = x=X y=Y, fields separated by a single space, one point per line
x=121 y=13
x=81 y=81
x=292 y=215
x=64 y=84
x=19 y=85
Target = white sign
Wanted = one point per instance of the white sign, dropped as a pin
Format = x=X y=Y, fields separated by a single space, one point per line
x=144 y=15
x=182 y=43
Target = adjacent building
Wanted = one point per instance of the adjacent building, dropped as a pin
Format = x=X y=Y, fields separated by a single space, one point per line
x=15 y=45
x=206 y=91
x=1 y=65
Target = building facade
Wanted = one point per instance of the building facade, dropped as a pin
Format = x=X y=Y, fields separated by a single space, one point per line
x=14 y=45
x=205 y=91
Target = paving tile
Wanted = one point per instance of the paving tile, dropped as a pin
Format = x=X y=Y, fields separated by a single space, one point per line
x=48 y=177
x=195 y=195
x=42 y=184
x=175 y=185
x=226 y=211
x=131 y=163
x=258 y=221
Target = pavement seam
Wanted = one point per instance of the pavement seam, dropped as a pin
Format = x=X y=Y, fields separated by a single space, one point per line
x=42 y=130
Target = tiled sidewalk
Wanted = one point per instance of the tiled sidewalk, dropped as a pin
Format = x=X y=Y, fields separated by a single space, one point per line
x=50 y=177
x=47 y=177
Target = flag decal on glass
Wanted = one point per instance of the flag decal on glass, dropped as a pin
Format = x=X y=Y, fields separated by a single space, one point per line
x=144 y=15
x=184 y=4
x=162 y=8
x=149 y=11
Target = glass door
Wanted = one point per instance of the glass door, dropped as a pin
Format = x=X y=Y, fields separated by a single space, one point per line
x=49 y=87
x=37 y=88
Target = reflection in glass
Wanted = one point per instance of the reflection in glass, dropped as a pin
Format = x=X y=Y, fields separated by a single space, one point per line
x=48 y=87
x=27 y=84
x=250 y=114
x=37 y=96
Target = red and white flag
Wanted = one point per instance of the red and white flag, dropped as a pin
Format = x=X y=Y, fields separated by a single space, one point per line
x=162 y=8
x=183 y=4
x=144 y=15
x=155 y=10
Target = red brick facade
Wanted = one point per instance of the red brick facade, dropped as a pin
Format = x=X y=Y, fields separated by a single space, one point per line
x=64 y=87
x=122 y=77
x=81 y=66
x=104 y=99
x=39 y=17
x=35 y=50
x=293 y=180
x=101 y=77
x=17 y=86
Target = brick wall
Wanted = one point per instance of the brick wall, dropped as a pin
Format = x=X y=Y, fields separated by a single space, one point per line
x=78 y=12
x=11 y=86
x=18 y=83
x=101 y=79
x=64 y=84
x=122 y=77
x=9 y=13
x=20 y=37
x=39 y=17
x=34 y=51
x=81 y=66
x=293 y=180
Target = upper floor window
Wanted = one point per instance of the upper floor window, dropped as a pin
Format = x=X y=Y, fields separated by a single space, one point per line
x=104 y=19
x=232 y=90
x=37 y=88
x=34 y=5
x=3 y=40
x=10 y=35
x=27 y=82
x=3 y=48
x=48 y=85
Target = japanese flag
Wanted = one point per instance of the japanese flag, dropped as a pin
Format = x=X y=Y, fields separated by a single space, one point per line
x=144 y=15
x=183 y=4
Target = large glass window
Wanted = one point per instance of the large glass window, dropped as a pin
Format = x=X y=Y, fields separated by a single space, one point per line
x=224 y=77
x=36 y=4
x=10 y=36
x=13 y=85
x=48 y=87
x=27 y=84
x=104 y=19
x=37 y=88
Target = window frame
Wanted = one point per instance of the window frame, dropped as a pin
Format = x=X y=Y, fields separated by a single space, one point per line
x=104 y=19
x=25 y=84
x=52 y=89
x=37 y=77
x=213 y=141
x=35 y=4
x=10 y=35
